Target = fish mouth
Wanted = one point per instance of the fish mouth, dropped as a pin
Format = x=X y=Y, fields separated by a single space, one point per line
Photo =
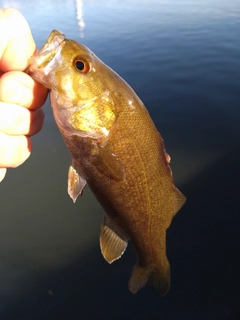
x=48 y=51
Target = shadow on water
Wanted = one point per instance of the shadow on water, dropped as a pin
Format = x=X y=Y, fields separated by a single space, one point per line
x=203 y=248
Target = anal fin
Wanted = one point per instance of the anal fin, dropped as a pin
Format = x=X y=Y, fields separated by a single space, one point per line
x=76 y=182
x=112 y=242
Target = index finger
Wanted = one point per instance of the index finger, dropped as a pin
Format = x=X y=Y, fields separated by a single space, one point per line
x=16 y=41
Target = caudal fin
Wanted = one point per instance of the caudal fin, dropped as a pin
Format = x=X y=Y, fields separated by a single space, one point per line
x=158 y=277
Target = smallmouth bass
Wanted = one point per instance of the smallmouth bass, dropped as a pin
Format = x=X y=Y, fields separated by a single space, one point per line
x=117 y=150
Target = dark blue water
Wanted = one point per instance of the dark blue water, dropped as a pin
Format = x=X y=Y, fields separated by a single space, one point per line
x=183 y=60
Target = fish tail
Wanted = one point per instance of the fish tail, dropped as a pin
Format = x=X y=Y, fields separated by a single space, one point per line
x=157 y=277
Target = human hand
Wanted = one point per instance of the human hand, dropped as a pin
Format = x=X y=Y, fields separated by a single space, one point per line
x=20 y=96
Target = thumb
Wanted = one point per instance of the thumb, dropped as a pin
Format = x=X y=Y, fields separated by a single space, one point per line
x=17 y=44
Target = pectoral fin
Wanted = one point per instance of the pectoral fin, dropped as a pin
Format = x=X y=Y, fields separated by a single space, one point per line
x=107 y=163
x=76 y=182
x=112 y=242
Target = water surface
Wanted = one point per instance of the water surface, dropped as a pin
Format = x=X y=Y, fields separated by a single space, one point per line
x=183 y=60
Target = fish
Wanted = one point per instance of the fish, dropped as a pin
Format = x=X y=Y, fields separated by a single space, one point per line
x=117 y=150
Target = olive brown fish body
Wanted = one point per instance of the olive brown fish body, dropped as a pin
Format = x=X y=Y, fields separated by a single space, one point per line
x=117 y=150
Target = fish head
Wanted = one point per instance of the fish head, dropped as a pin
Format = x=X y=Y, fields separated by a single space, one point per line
x=68 y=67
x=78 y=80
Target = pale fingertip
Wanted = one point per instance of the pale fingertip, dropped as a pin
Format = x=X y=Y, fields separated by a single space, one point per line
x=16 y=120
x=14 y=88
x=19 y=88
x=14 y=150
x=3 y=172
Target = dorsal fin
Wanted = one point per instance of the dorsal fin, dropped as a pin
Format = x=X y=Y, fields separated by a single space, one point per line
x=112 y=242
x=178 y=202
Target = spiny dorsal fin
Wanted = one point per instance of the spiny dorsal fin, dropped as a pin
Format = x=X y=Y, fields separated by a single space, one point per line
x=178 y=202
x=112 y=242
x=76 y=182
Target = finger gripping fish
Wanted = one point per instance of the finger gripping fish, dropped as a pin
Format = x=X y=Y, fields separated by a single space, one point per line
x=117 y=150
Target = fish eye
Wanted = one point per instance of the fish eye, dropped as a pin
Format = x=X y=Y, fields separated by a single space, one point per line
x=81 y=64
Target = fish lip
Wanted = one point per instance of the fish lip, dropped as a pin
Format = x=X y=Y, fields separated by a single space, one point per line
x=48 y=50
x=54 y=40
